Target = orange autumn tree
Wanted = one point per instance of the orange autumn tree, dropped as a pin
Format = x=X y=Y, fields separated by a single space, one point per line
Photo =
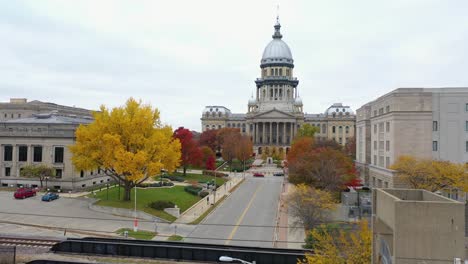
x=129 y=143
x=322 y=167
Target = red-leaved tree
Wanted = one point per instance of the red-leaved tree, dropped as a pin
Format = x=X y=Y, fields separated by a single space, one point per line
x=210 y=163
x=209 y=138
x=190 y=152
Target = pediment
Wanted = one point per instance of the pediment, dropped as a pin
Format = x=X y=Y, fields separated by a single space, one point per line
x=274 y=113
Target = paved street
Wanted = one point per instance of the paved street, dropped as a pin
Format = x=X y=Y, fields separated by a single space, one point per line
x=254 y=203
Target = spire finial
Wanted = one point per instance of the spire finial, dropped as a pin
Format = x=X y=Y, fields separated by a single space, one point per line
x=277 y=34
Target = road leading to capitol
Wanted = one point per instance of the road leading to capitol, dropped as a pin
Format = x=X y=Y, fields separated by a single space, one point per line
x=254 y=203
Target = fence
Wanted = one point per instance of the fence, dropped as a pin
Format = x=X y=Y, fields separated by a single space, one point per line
x=7 y=254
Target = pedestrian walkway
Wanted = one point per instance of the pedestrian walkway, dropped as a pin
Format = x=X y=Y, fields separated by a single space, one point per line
x=285 y=230
x=207 y=202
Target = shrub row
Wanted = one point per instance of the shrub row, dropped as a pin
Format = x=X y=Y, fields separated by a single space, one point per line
x=212 y=173
x=174 y=178
x=193 y=189
x=155 y=184
x=161 y=205
x=203 y=194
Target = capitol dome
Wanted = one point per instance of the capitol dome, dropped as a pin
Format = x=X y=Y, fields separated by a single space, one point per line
x=277 y=51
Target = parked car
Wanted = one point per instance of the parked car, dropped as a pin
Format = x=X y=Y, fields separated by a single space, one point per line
x=258 y=174
x=50 y=197
x=278 y=174
x=22 y=193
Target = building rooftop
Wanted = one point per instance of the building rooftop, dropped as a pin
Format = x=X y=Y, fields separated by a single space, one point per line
x=51 y=118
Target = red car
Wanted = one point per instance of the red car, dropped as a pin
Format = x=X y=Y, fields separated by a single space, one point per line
x=258 y=174
x=22 y=193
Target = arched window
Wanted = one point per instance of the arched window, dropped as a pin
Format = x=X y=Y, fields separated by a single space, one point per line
x=324 y=129
x=347 y=129
x=219 y=114
x=288 y=93
x=271 y=72
x=281 y=72
x=271 y=92
x=340 y=129
x=213 y=114
x=276 y=72
x=207 y=114
x=287 y=72
x=333 y=129
x=229 y=125
x=281 y=93
x=207 y=127
x=264 y=72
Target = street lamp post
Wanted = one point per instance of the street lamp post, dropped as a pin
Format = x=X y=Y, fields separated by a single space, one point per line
x=46 y=179
x=214 y=197
x=135 y=222
x=229 y=259
x=107 y=194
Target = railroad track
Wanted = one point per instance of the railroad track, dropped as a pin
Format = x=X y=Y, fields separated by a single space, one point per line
x=28 y=242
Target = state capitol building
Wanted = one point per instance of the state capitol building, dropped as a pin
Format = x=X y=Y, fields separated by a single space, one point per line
x=276 y=113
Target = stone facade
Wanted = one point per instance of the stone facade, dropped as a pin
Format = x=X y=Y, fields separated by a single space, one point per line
x=43 y=139
x=424 y=123
x=275 y=114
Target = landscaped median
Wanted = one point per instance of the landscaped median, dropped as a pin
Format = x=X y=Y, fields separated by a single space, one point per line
x=182 y=195
x=145 y=196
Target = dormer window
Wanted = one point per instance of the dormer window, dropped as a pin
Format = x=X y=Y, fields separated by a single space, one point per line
x=217 y=109
x=211 y=109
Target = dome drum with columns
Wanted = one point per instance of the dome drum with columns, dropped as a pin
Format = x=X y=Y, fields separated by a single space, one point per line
x=275 y=112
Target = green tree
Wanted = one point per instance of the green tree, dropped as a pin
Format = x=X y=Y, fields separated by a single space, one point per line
x=37 y=171
x=129 y=143
x=307 y=130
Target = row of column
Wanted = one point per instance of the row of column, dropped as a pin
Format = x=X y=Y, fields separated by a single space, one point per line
x=273 y=132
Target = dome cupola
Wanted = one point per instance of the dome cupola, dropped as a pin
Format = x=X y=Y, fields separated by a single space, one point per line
x=277 y=52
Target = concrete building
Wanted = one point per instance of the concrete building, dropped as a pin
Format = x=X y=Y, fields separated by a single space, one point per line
x=416 y=226
x=21 y=108
x=422 y=122
x=43 y=139
x=276 y=112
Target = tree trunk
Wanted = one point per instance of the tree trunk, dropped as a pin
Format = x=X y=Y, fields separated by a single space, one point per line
x=127 y=191
x=40 y=180
x=185 y=170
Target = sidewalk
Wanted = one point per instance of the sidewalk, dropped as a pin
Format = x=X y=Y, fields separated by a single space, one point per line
x=286 y=221
x=206 y=203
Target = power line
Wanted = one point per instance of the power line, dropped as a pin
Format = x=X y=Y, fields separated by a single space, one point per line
x=149 y=221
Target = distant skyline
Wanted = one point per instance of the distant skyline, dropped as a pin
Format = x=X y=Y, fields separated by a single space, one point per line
x=182 y=55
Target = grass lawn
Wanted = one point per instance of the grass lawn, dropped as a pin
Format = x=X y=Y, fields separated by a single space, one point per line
x=145 y=235
x=175 y=238
x=199 y=177
x=175 y=194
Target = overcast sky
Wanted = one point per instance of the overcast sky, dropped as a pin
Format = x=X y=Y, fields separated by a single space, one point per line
x=182 y=55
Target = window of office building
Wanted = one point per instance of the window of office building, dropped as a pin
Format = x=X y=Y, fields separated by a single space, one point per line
x=381 y=161
x=435 y=147
x=375 y=145
x=387 y=128
x=375 y=129
x=7 y=171
x=37 y=156
x=381 y=111
x=466 y=146
x=435 y=126
x=58 y=155
x=466 y=107
x=387 y=162
x=58 y=173
x=381 y=145
x=375 y=159
x=381 y=127
x=375 y=112
x=23 y=153
x=387 y=109
x=466 y=126
x=7 y=153
x=387 y=145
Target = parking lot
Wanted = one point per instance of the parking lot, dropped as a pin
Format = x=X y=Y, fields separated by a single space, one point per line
x=64 y=213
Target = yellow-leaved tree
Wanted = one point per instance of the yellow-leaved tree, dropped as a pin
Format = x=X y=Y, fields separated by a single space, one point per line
x=340 y=247
x=431 y=175
x=129 y=143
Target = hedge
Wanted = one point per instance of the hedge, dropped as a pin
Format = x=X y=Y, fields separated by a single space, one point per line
x=203 y=194
x=155 y=184
x=161 y=205
x=193 y=189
